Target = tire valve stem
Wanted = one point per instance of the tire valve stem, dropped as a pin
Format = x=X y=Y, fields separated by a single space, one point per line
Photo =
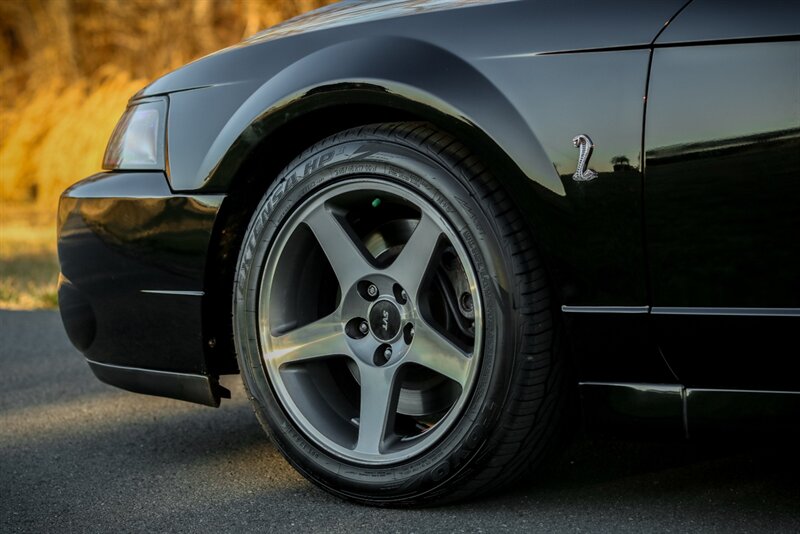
x=363 y=327
x=376 y=202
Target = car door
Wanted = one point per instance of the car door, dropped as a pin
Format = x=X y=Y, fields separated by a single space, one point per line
x=722 y=194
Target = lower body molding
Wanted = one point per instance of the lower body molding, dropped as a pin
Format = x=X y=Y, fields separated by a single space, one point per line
x=201 y=389
x=672 y=410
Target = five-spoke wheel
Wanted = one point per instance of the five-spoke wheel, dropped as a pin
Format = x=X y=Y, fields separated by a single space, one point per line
x=381 y=372
x=392 y=320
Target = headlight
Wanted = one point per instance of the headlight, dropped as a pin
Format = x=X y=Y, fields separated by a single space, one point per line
x=138 y=140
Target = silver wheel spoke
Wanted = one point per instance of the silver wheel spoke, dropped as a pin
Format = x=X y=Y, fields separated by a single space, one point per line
x=431 y=349
x=378 y=403
x=324 y=337
x=346 y=258
x=414 y=260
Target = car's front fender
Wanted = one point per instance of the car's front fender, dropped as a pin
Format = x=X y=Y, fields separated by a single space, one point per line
x=392 y=71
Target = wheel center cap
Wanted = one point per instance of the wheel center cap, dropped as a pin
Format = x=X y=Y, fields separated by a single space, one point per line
x=384 y=320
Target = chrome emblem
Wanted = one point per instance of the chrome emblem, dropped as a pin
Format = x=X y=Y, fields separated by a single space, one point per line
x=585 y=146
x=385 y=320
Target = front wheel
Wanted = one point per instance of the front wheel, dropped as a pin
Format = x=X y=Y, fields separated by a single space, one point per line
x=392 y=321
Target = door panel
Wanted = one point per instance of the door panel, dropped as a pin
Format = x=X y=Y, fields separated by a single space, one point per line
x=722 y=203
x=715 y=20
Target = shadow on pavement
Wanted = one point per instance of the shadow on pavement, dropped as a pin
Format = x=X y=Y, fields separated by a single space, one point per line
x=77 y=455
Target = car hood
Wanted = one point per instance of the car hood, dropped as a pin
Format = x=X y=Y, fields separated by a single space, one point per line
x=220 y=67
x=357 y=11
x=466 y=28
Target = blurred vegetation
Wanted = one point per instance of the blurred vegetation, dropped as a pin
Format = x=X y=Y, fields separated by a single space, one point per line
x=28 y=264
x=67 y=69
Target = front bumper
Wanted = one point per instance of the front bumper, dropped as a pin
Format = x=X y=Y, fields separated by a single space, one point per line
x=133 y=258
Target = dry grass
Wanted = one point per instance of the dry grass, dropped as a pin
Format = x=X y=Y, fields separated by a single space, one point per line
x=57 y=134
x=28 y=263
x=67 y=69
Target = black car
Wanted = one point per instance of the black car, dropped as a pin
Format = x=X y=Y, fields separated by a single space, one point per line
x=420 y=230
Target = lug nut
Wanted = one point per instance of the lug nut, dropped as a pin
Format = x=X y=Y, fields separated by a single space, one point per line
x=356 y=328
x=408 y=333
x=400 y=294
x=368 y=290
x=382 y=355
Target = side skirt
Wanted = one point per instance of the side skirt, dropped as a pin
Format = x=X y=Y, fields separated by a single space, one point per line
x=718 y=411
x=674 y=411
x=643 y=410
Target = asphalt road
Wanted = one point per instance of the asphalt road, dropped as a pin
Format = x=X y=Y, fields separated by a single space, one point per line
x=79 y=456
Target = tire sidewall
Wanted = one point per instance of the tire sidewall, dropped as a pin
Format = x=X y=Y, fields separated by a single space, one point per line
x=447 y=188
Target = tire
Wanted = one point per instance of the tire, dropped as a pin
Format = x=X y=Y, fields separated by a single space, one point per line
x=428 y=423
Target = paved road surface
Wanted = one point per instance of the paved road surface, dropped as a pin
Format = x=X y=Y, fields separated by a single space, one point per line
x=79 y=456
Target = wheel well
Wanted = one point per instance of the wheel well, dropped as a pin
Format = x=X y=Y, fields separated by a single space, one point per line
x=258 y=171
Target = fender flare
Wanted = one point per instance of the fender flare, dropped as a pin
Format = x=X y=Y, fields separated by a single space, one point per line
x=393 y=71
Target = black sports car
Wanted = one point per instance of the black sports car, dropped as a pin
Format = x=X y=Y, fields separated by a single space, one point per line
x=420 y=229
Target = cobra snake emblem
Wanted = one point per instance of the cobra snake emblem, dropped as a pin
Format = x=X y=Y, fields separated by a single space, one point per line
x=585 y=146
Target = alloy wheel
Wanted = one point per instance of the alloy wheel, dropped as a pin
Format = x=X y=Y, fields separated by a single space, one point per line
x=370 y=321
